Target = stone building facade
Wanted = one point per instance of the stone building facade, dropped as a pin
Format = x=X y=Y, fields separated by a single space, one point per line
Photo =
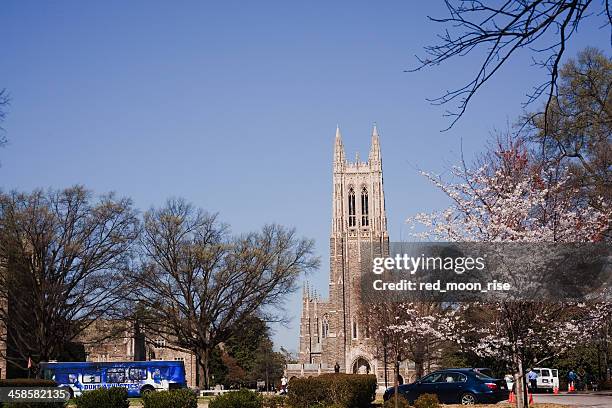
x=119 y=343
x=124 y=345
x=331 y=331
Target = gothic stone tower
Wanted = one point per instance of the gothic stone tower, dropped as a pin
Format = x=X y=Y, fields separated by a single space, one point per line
x=332 y=332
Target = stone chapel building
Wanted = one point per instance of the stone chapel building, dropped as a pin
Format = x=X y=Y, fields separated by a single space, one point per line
x=330 y=331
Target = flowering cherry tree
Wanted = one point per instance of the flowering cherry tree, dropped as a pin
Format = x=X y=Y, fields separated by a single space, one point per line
x=406 y=330
x=510 y=198
x=513 y=198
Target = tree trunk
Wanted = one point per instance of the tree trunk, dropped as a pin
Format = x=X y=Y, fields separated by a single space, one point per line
x=522 y=401
x=203 y=363
x=419 y=367
x=396 y=385
x=201 y=374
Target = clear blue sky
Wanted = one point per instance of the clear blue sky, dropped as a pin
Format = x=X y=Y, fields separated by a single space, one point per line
x=234 y=105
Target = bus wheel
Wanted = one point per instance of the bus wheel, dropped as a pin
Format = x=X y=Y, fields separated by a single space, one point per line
x=69 y=391
x=147 y=389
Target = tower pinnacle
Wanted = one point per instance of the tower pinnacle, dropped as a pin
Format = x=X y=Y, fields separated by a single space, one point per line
x=338 y=150
x=374 y=156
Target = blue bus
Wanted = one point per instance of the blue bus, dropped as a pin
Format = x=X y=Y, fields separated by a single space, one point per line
x=138 y=377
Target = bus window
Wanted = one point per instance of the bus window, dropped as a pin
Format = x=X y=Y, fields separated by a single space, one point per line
x=91 y=377
x=137 y=374
x=48 y=374
x=65 y=378
x=156 y=375
x=115 y=375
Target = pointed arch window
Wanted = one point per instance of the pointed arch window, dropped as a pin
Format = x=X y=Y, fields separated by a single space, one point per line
x=351 y=207
x=325 y=327
x=364 y=208
x=354 y=329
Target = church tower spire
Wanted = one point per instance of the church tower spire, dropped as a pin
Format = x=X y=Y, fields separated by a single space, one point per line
x=374 y=157
x=339 y=157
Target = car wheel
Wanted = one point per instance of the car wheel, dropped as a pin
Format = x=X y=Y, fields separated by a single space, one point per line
x=468 y=399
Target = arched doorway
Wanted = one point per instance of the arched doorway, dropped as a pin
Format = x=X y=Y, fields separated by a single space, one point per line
x=361 y=366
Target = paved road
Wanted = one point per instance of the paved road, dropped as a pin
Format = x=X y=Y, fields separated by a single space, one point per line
x=600 y=400
x=603 y=400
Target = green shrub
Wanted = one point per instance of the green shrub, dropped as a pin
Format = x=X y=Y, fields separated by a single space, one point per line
x=401 y=402
x=343 y=390
x=306 y=392
x=184 y=398
x=605 y=385
x=33 y=405
x=237 y=399
x=115 y=397
x=30 y=382
x=274 y=401
x=427 y=401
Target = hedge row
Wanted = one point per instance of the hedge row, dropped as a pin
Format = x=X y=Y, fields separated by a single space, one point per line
x=248 y=399
x=237 y=399
x=341 y=390
x=401 y=402
x=427 y=401
x=424 y=401
x=115 y=397
x=184 y=398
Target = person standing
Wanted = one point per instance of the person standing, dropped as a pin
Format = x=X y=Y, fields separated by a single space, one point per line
x=283 y=385
x=571 y=380
x=532 y=376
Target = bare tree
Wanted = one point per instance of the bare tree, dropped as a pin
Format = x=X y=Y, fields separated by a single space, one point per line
x=542 y=26
x=201 y=285
x=62 y=258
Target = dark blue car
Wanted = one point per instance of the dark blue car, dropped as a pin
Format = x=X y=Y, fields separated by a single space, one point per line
x=455 y=385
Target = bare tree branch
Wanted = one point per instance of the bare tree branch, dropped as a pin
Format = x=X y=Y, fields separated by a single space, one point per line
x=500 y=32
x=5 y=101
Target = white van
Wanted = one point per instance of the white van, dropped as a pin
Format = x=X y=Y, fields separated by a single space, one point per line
x=548 y=378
